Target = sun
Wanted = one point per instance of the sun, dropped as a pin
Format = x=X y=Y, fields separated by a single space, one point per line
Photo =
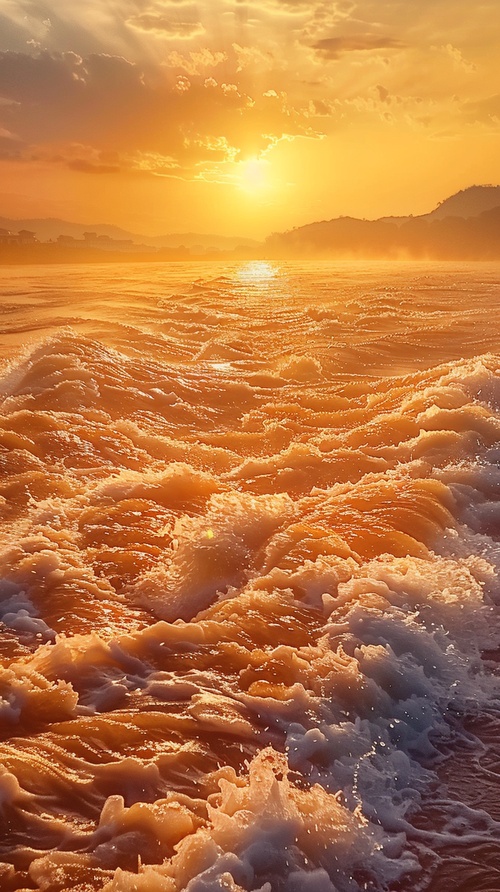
x=253 y=176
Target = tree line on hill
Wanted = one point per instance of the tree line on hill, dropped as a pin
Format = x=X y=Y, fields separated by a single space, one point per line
x=450 y=238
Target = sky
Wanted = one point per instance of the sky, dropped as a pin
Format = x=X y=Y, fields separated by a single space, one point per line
x=239 y=118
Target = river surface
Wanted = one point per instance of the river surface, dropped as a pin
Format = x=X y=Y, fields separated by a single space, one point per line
x=249 y=553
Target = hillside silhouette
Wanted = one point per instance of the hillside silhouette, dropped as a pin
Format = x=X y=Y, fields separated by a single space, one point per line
x=469 y=202
x=50 y=228
x=465 y=226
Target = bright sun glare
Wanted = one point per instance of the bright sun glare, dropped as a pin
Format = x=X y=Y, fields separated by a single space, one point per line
x=254 y=175
x=257 y=271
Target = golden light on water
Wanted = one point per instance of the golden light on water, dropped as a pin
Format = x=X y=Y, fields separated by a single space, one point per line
x=241 y=564
x=260 y=271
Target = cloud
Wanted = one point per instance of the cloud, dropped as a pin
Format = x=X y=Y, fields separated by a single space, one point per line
x=175 y=21
x=196 y=62
x=484 y=111
x=183 y=87
x=10 y=144
x=7 y=134
x=332 y=48
x=254 y=57
x=456 y=55
x=55 y=102
x=83 y=166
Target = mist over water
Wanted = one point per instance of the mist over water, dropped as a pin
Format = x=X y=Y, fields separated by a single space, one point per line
x=249 y=631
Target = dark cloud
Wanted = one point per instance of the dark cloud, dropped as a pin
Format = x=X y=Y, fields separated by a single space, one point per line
x=334 y=47
x=53 y=101
x=29 y=79
x=84 y=166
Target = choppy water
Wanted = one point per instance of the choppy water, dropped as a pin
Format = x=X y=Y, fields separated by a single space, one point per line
x=249 y=560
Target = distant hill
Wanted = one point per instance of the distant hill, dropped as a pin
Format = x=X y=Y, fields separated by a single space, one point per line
x=465 y=226
x=47 y=228
x=468 y=203
x=475 y=233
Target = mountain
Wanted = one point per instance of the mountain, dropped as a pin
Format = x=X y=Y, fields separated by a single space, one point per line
x=429 y=235
x=50 y=228
x=470 y=202
x=465 y=226
x=467 y=203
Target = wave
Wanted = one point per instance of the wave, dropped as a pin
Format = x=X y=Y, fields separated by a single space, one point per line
x=249 y=605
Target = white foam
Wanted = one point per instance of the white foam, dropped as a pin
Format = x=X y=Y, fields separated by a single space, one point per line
x=18 y=613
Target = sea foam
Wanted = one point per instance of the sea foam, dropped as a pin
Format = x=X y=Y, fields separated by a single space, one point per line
x=249 y=595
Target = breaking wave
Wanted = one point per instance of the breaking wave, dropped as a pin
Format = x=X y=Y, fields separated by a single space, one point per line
x=249 y=579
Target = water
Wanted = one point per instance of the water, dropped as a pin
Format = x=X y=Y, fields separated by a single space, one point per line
x=249 y=578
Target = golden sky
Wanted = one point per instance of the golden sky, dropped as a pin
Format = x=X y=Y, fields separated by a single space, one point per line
x=242 y=118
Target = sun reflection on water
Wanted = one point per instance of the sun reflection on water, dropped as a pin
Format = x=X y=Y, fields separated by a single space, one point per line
x=259 y=271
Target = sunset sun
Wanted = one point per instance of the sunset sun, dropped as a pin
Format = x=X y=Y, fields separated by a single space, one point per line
x=254 y=176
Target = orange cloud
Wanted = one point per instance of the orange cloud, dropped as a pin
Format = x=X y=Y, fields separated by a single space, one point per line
x=174 y=20
x=196 y=62
x=109 y=104
x=334 y=47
